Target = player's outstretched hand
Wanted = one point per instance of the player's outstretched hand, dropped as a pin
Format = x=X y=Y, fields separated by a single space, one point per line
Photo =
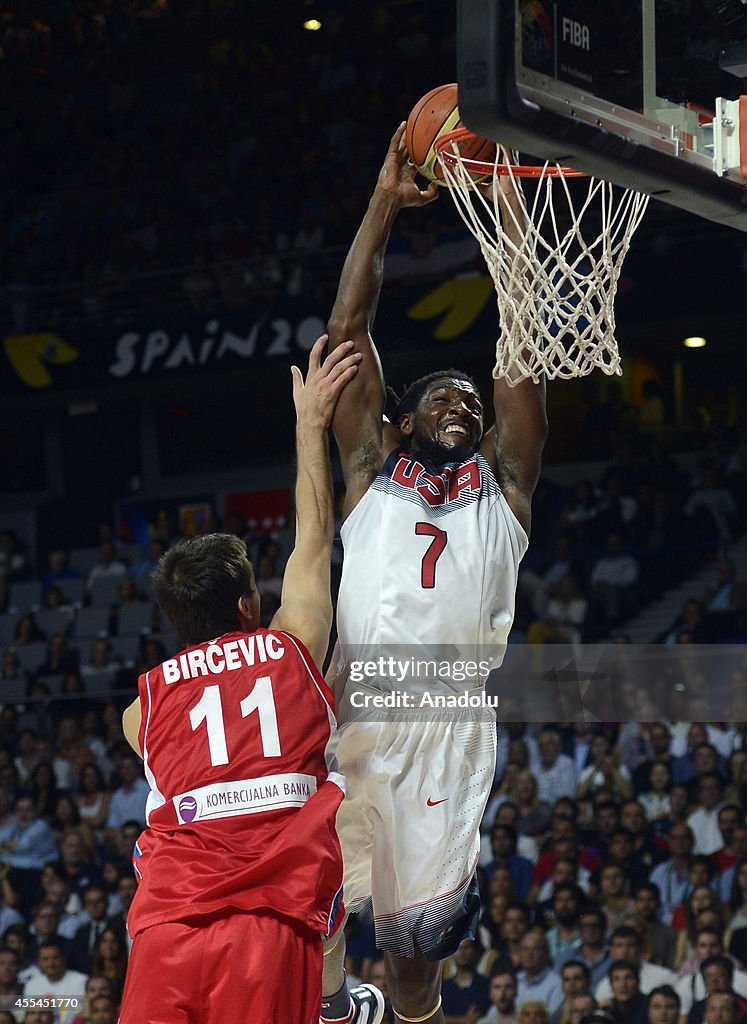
x=397 y=174
x=316 y=397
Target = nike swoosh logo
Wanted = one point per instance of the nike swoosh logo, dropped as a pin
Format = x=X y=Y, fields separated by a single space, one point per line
x=435 y=803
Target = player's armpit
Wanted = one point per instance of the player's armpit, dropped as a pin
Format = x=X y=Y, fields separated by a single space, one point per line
x=520 y=434
x=309 y=619
x=131 y=719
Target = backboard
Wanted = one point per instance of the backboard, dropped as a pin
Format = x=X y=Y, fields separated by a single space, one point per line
x=642 y=93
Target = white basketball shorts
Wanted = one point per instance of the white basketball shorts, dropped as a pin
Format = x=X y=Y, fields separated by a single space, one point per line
x=410 y=827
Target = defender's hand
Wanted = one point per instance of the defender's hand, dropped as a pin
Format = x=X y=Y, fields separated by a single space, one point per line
x=316 y=397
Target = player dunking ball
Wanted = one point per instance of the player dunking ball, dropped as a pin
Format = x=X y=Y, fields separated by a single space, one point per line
x=436 y=521
x=240 y=855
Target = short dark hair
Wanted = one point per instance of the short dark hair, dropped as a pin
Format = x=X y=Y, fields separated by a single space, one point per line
x=626 y=932
x=412 y=396
x=621 y=831
x=604 y=805
x=18 y=930
x=198 y=584
x=594 y=910
x=706 y=862
x=577 y=963
x=710 y=777
x=663 y=990
x=53 y=942
x=651 y=887
x=501 y=968
x=732 y=808
x=518 y=905
x=566 y=801
x=623 y=965
x=509 y=830
x=719 y=960
x=572 y=888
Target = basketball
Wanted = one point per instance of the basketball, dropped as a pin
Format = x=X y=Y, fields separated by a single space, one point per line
x=436 y=114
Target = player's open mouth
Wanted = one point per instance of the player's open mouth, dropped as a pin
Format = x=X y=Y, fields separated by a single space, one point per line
x=455 y=428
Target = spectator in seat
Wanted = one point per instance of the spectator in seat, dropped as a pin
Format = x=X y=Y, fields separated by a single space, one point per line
x=59 y=570
x=730 y=820
x=516 y=922
x=76 y=867
x=626 y=944
x=55 y=979
x=591 y=950
x=672 y=877
x=82 y=945
x=128 y=799
x=614 y=896
x=657 y=740
x=109 y=960
x=537 y=980
x=613 y=581
x=10 y=986
x=502 y=992
x=707 y=944
x=60 y=658
x=717 y=975
x=663 y=1005
x=557 y=772
x=503 y=841
x=576 y=980
x=27 y=631
x=661 y=942
x=108 y=566
x=656 y=800
x=628 y=1005
x=465 y=994
x=704 y=821
x=717 y=501
x=26 y=846
x=567 y=904
x=604 y=772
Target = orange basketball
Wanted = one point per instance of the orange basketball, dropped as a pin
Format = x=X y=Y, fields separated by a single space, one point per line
x=432 y=116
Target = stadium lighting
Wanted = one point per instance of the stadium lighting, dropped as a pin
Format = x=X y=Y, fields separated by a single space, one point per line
x=312 y=25
x=695 y=342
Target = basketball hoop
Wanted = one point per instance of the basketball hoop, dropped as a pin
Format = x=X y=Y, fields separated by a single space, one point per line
x=555 y=291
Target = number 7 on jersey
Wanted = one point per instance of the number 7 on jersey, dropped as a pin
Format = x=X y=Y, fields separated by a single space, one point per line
x=433 y=553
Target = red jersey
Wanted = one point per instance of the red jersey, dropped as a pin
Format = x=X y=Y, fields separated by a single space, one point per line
x=242 y=807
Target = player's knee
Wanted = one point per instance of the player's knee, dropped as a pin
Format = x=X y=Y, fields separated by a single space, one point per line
x=414 y=985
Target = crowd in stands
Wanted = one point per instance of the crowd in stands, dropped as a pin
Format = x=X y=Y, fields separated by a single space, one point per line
x=160 y=162
x=616 y=896
x=614 y=860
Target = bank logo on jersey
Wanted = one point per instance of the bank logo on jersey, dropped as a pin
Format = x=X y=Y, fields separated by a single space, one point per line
x=187 y=808
x=246 y=796
x=456 y=485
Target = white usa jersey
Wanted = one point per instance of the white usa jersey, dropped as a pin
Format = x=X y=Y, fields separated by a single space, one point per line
x=431 y=563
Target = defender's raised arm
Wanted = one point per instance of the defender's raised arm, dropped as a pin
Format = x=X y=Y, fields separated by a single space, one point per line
x=306 y=604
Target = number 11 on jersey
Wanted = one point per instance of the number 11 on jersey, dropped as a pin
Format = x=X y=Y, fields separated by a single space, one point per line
x=209 y=709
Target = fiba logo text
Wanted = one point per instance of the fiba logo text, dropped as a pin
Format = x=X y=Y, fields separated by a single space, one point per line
x=575 y=33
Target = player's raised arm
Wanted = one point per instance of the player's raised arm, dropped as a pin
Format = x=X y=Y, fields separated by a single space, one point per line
x=306 y=604
x=516 y=442
x=357 y=421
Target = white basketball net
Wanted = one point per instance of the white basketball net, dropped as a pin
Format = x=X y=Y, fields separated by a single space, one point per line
x=555 y=291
